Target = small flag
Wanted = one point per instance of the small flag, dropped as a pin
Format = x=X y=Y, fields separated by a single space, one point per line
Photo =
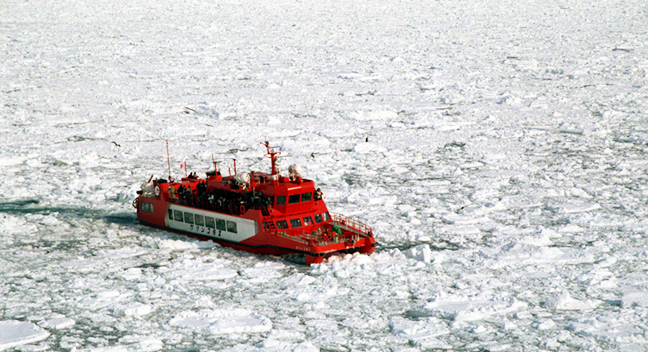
x=184 y=166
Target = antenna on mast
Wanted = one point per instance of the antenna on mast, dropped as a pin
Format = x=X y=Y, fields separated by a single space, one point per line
x=168 y=160
x=272 y=154
x=215 y=165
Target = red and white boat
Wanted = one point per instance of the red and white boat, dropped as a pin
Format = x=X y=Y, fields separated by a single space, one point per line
x=256 y=212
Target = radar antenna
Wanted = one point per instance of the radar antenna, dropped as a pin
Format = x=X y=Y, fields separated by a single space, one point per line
x=272 y=154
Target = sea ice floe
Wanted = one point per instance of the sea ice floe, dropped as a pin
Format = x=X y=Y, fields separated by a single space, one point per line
x=460 y=230
x=545 y=324
x=469 y=309
x=297 y=279
x=263 y=272
x=58 y=323
x=16 y=333
x=609 y=327
x=322 y=324
x=197 y=269
x=272 y=345
x=106 y=349
x=10 y=224
x=206 y=110
x=579 y=208
x=522 y=252
x=84 y=185
x=399 y=294
x=315 y=294
x=11 y=161
x=291 y=335
x=537 y=239
x=134 y=309
x=100 y=299
x=578 y=192
x=368 y=148
x=132 y=274
x=422 y=332
x=634 y=299
x=148 y=345
x=365 y=323
x=373 y=115
x=175 y=245
x=456 y=219
x=222 y=321
x=420 y=252
x=598 y=278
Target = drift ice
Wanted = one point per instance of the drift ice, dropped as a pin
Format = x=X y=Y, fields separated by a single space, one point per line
x=256 y=212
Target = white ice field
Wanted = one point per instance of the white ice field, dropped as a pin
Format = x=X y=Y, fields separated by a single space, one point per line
x=498 y=149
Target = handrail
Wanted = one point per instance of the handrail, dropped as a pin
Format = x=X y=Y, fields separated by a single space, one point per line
x=324 y=234
x=351 y=223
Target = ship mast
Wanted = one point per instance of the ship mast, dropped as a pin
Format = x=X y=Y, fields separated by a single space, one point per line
x=272 y=154
x=215 y=165
x=168 y=160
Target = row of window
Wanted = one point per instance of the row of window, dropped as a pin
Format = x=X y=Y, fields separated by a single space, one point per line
x=295 y=198
x=146 y=207
x=230 y=226
x=200 y=220
x=307 y=220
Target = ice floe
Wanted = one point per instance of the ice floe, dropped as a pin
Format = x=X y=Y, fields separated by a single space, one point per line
x=16 y=333
x=565 y=302
x=422 y=332
x=222 y=321
x=469 y=309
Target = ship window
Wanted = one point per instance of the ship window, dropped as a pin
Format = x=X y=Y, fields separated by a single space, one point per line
x=170 y=214
x=307 y=197
x=266 y=227
x=200 y=220
x=326 y=216
x=281 y=200
x=220 y=224
x=282 y=224
x=295 y=223
x=150 y=207
x=145 y=207
x=308 y=221
x=178 y=215
x=231 y=226
x=293 y=198
x=209 y=222
x=318 y=218
x=188 y=218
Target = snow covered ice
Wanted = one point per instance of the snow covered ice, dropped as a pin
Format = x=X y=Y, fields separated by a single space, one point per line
x=14 y=333
x=498 y=150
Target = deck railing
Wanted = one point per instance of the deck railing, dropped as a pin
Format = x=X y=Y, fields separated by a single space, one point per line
x=351 y=229
x=350 y=224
